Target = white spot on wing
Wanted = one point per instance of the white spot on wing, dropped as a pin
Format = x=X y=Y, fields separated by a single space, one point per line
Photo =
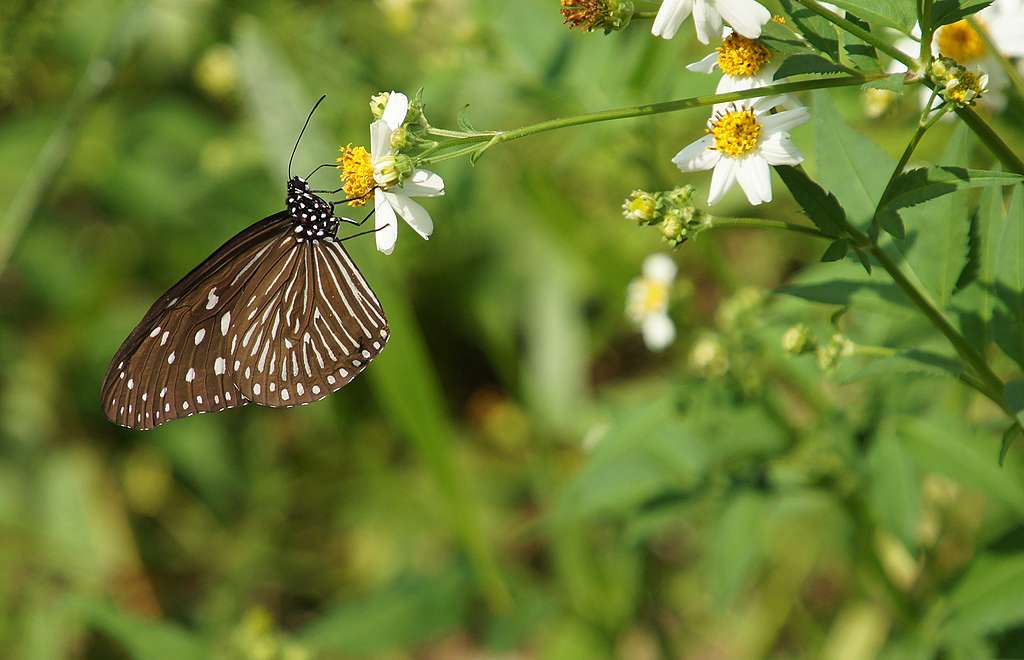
x=199 y=336
x=256 y=388
x=225 y=322
x=219 y=366
x=190 y=375
x=170 y=358
x=212 y=298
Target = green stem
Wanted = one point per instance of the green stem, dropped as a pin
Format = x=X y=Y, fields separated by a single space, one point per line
x=641 y=111
x=715 y=222
x=861 y=33
x=1010 y=160
x=1004 y=62
x=927 y=30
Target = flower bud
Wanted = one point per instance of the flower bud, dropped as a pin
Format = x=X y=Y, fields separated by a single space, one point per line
x=673 y=228
x=798 y=340
x=642 y=207
x=708 y=356
x=399 y=138
x=590 y=15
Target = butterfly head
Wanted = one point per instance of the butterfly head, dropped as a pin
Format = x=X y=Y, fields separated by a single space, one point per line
x=313 y=216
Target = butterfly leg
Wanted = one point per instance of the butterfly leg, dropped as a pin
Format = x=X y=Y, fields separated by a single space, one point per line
x=363 y=233
x=355 y=223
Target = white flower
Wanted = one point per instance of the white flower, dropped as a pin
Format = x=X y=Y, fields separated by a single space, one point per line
x=389 y=198
x=745 y=16
x=745 y=64
x=647 y=301
x=742 y=142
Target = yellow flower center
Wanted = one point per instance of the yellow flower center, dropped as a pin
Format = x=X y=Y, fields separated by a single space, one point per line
x=961 y=42
x=742 y=57
x=356 y=173
x=966 y=89
x=736 y=133
x=653 y=298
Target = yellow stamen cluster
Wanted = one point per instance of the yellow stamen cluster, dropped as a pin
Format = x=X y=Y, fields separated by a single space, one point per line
x=961 y=42
x=742 y=57
x=966 y=88
x=356 y=173
x=736 y=133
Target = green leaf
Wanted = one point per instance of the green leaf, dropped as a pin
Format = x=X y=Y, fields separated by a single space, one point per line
x=821 y=206
x=734 y=549
x=1008 y=319
x=408 y=612
x=928 y=183
x=894 y=488
x=144 y=638
x=976 y=305
x=850 y=166
x=897 y=14
x=913 y=362
x=819 y=32
x=945 y=12
x=856 y=53
x=1010 y=436
x=894 y=83
x=987 y=599
x=795 y=65
x=836 y=250
x=934 y=210
x=782 y=40
x=646 y=454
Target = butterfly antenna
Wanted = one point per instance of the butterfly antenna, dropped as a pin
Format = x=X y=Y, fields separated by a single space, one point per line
x=298 y=139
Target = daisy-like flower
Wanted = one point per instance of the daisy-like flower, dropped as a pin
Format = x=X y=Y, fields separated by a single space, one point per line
x=390 y=176
x=745 y=64
x=743 y=140
x=647 y=301
x=745 y=16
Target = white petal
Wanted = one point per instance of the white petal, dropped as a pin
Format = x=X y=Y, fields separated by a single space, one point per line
x=395 y=111
x=698 y=156
x=412 y=212
x=380 y=140
x=706 y=65
x=658 y=331
x=755 y=177
x=660 y=268
x=670 y=16
x=785 y=120
x=778 y=149
x=722 y=179
x=706 y=20
x=386 y=223
x=745 y=16
x=423 y=183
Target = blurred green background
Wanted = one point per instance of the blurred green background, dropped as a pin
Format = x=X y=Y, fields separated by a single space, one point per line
x=516 y=476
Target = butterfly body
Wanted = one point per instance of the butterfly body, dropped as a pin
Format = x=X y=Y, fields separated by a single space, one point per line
x=278 y=316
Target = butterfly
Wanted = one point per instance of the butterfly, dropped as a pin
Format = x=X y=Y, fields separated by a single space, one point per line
x=278 y=316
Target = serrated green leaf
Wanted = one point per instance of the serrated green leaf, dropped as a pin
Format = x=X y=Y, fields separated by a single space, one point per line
x=945 y=12
x=924 y=184
x=857 y=53
x=897 y=14
x=836 y=250
x=820 y=33
x=894 y=83
x=1008 y=318
x=934 y=210
x=782 y=40
x=850 y=166
x=804 y=63
x=911 y=362
x=821 y=206
x=976 y=304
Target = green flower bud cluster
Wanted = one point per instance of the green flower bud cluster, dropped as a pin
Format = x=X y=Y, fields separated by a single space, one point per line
x=955 y=83
x=830 y=354
x=673 y=212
